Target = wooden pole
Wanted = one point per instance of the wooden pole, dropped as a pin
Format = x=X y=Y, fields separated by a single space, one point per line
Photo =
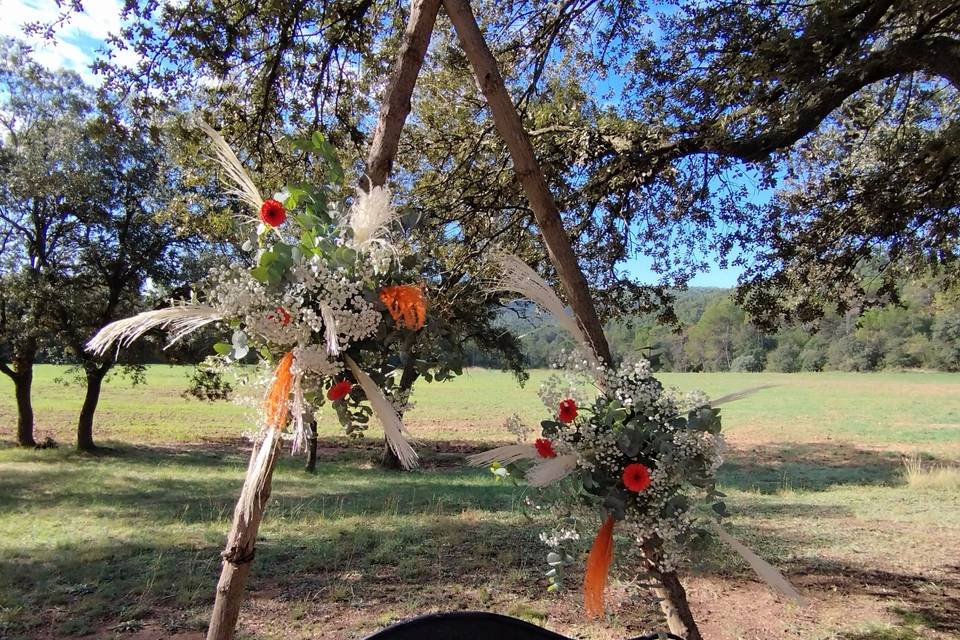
x=396 y=100
x=241 y=542
x=673 y=599
x=545 y=210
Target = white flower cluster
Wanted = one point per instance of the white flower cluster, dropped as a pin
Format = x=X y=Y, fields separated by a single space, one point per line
x=557 y=388
x=634 y=386
x=556 y=537
x=315 y=359
x=576 y=362
x=316 y=310
x=515 y=426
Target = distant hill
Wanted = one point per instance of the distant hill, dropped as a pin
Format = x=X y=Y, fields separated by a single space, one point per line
x=714 y=334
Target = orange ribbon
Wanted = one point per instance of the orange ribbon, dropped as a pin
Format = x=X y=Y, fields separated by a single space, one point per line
x=598 y=568
x=276 y=403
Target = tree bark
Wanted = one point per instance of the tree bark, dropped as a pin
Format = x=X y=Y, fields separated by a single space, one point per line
x=396 y=103
x=311 y=465
x=388 y=459
x=393 y=115
x=23 y=386
x=673 y=599
x=545 y=210
x=241 y=542
x=95 y=377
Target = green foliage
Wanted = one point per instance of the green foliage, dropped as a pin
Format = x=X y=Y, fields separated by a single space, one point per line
x=714 y=334
x=945 y=339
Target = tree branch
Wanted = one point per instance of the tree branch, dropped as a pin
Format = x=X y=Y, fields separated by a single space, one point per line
x=938 y=56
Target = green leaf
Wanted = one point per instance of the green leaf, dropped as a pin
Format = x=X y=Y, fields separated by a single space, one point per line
x=260 y=273
x=629 y=443
x=549 y=428
x=223 y=348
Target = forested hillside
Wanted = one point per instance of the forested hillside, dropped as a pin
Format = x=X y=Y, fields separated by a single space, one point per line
x=921 y=330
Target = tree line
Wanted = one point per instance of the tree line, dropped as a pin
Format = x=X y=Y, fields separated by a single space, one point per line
x=712 y=332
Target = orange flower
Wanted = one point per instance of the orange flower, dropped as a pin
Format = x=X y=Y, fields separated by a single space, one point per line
x=406 y=304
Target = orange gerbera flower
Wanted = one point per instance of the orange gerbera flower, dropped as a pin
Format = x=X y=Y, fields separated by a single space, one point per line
x=406 y=304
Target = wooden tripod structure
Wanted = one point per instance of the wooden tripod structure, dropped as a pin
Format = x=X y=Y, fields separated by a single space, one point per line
x=239 y=551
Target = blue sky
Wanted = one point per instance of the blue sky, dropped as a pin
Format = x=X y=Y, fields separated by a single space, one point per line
x=640 y=269
x=75 y=43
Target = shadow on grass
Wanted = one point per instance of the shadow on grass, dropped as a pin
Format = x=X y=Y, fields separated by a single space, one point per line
x=348 y=536
x=920 y=601
x=152 y=483
x=809 y=467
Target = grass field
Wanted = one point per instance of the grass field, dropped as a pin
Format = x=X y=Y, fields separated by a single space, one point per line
x=126 y=544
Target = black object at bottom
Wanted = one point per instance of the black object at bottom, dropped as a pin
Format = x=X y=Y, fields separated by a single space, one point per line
x=475 y=625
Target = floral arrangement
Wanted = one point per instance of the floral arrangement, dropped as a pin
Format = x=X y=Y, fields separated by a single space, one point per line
x=330 y=285
x=617 y=440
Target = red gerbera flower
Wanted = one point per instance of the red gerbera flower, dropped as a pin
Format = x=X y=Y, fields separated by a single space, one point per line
x=545 y=448
x=636 y=477
x=272 y=213
x=568 y=410
x=339 y=391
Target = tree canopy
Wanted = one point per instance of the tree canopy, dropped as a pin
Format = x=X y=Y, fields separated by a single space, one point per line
x=794 y=141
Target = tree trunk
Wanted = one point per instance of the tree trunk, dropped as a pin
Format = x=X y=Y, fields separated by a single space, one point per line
x=95 y=377
x=393 y=114
x=23 y=385
x=241 y=542
x=389 y=459
x=311 y=465
x=507 y=120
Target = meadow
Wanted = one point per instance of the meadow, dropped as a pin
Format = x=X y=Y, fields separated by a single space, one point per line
x=847 y=482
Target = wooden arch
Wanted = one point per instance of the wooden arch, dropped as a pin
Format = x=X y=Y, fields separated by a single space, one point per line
x=239 y=552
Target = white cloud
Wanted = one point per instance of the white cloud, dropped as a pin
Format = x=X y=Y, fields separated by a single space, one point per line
x=75 y=42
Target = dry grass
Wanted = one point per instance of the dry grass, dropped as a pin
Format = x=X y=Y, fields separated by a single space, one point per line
x=923 y=474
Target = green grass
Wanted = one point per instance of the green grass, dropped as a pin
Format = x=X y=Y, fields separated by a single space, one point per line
x=899 y=410
x=128 y=542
